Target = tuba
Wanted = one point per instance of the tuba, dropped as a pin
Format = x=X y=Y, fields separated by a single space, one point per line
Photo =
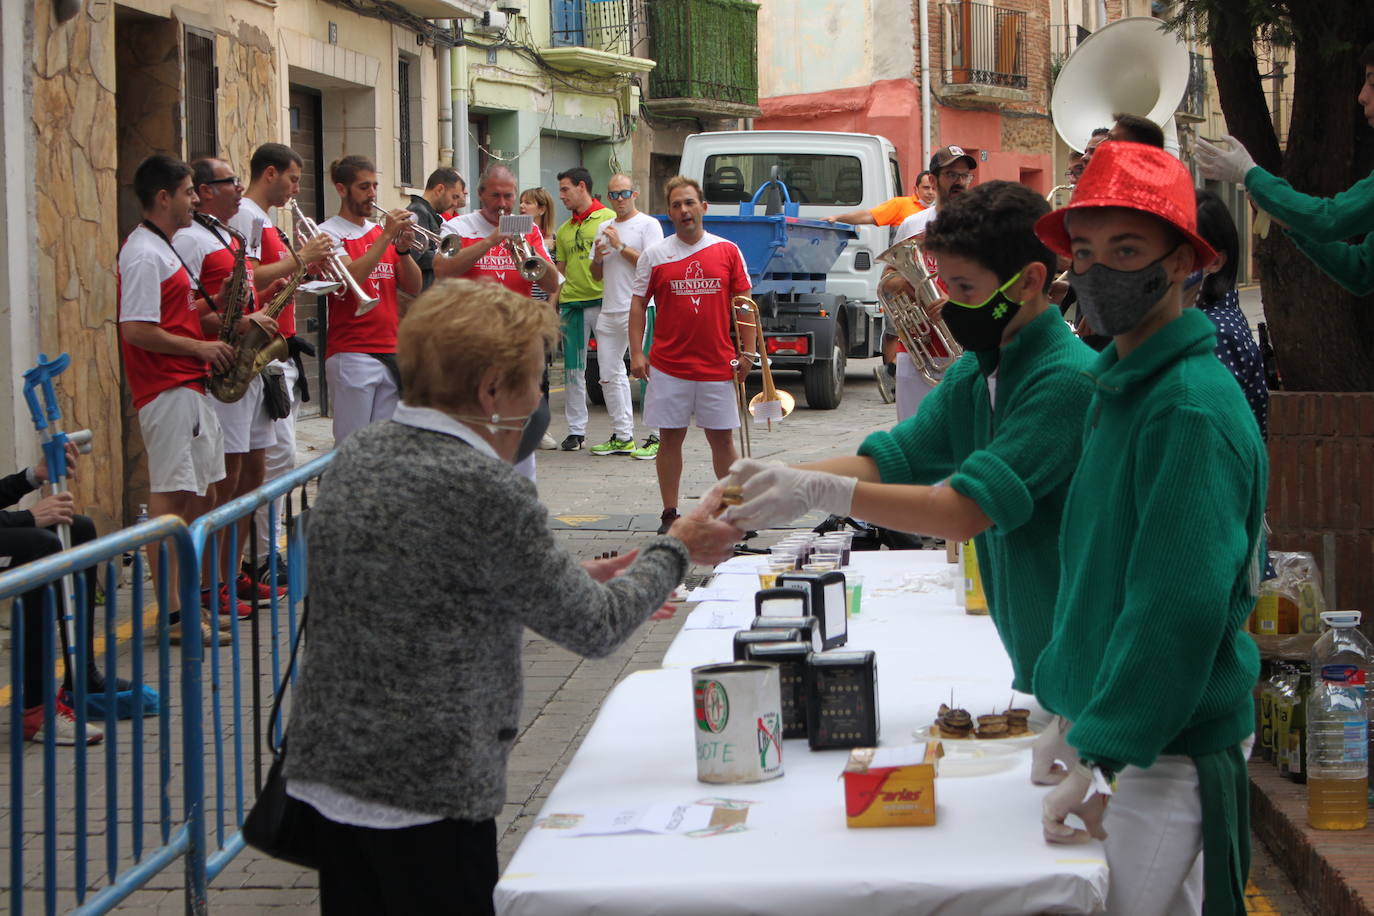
x=932 y=348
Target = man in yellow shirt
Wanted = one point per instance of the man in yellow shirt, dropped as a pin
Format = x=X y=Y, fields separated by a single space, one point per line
x=891 y=212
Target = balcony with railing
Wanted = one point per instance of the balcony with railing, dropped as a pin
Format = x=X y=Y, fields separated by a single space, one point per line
x=708 y=62
x=596 y=35
x=985 y=52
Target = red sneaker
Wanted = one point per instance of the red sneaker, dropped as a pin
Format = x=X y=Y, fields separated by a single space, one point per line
x=229 y=607
x=64 y=726
x=247 y=589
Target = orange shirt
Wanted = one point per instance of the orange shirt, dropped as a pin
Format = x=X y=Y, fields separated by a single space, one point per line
x=892 y=212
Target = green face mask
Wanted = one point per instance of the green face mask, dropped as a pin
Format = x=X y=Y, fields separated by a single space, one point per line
x=980 y=326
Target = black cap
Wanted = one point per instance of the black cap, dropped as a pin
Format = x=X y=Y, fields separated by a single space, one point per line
x=947 y=155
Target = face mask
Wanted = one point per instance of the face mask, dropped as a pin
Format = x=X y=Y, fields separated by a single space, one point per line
x=1115 y=301
x=532 y=428
x=980 y=327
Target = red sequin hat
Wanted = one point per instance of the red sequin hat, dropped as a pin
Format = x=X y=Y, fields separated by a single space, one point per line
x=1138 y=177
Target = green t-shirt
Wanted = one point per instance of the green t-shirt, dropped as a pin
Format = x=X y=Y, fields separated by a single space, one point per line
x=572 y=247
x=1014 y=459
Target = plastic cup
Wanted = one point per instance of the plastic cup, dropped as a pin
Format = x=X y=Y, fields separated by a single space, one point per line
x=853 y=591
x=821 y=565
x=775 y=566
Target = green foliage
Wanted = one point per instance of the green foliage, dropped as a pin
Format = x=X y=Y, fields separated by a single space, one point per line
x=705 y=49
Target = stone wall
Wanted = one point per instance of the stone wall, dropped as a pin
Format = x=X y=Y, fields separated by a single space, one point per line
x=249 y=110
x=75 y=246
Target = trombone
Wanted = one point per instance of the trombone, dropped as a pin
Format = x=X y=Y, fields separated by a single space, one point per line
x=444 y=246
x=769 y=404
x=334 y=268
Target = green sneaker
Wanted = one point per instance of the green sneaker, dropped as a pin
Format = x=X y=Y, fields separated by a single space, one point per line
x=614 y=446
x=648 y=451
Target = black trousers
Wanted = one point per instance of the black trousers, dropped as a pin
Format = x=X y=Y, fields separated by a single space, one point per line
x=24 y=545
x=448 y=867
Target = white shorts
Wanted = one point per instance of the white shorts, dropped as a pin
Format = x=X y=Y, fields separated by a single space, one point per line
x=670 y=403
x=247 y=427
x=184 y=442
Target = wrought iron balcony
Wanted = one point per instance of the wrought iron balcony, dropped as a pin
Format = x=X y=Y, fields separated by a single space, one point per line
x=985 y=46
x=707 y=53
x=597 y=35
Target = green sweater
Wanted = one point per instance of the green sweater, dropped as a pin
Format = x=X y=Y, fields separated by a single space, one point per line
x=1014 y=462
x=1159 y=557
x=1317 y=225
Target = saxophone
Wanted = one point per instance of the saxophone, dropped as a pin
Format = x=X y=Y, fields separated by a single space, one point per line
x=254 y=349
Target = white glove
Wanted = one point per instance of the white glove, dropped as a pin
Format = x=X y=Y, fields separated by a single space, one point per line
x=1224 y=165
x=1051 y=756
x=775 y=494
x=1084 y=792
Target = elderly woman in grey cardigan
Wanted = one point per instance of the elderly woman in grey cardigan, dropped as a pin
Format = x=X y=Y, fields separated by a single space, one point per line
x=429 y=556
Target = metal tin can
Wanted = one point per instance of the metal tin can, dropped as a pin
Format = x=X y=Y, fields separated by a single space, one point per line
x=738 y=722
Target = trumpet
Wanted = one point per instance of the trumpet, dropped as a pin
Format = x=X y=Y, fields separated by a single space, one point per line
x=444 y=246
x=931 y=347
x=334 y=268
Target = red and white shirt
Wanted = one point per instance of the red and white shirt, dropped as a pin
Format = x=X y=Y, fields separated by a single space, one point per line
x=496 y=265
x=154 y=287
x=692 y=286
x=207 y=258
x=374 y=332
x=265 y=246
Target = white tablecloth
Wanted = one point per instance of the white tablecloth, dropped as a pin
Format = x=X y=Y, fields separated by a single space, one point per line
x=797 y=857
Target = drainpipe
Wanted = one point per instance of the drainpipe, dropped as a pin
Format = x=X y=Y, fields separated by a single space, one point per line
x=1101 y=14
x=445 y=68
x=925 y=83
x=458 y=60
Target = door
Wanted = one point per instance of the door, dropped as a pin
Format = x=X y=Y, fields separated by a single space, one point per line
x=557 y=154
x=307 y=140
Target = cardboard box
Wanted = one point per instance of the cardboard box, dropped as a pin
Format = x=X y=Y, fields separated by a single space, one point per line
x=891 y=786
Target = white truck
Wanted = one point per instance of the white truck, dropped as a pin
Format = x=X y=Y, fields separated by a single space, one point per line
x=825 y=174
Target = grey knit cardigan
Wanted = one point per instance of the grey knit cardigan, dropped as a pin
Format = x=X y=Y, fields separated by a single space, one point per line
x=427 y=560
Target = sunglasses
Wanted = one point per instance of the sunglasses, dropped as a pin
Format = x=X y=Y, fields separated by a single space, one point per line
x=619 y=195
x=229 y=179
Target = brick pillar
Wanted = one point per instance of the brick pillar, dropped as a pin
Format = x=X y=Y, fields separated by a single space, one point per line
x=1321 y=481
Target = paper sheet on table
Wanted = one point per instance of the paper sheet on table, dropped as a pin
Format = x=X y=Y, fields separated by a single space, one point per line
x=726 y=588
x=659 y=819
x=719 y=615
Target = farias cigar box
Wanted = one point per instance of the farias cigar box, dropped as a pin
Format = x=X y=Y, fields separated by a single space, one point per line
x=891 y=786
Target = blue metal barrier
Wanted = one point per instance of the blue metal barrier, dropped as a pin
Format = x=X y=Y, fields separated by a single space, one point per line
x=121 y=810
x=211 y=532
x=126 y=869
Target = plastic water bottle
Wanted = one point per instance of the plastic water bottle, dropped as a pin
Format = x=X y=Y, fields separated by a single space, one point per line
x=1338 y=726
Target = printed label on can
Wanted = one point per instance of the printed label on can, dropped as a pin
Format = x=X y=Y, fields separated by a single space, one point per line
x=1352 y=675
x=770 y=740
x=712 y=706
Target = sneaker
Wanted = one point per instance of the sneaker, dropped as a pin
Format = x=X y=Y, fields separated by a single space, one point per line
x=174 y=632
x=64 y=726
x=573 y=443
x=265 y=569
x=648 y=451
x=665 y=521
x=246 y=588
x=884 y=385
x=548 y=443
x=229 y=607
x=614 y=446
x=679 y=594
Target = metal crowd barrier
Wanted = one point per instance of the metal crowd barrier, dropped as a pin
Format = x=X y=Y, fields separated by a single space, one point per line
x=87 y=830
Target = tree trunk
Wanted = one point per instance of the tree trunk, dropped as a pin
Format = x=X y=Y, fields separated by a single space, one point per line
x=1323 y=337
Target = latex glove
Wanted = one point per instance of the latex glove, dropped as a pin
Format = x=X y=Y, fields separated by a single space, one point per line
x=1084 y=792
x=775 y=494
x=1224 y=164
x=1051 y=756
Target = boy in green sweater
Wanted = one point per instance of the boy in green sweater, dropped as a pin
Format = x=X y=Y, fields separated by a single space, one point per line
x=1159 y=556
x=990 y=453
x=1317 y=225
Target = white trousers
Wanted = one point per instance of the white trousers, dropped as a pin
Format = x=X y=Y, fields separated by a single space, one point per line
x=281 y=458
x=361 y=390
x=575 y=381
x=1154 y=840
x=911 y=387
x=612 y=343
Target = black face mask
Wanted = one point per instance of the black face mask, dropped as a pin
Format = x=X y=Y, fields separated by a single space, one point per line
x=1116 y=301
x=980 y=327
x=532 y=428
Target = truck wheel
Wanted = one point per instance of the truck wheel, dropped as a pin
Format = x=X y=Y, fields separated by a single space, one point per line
x=824 y=379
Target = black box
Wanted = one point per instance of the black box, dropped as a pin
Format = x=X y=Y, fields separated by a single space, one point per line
x=746 y=639
x=782 y=602
x=810 y=628
x=842 y=700
x=827 y=603
x=791 y=659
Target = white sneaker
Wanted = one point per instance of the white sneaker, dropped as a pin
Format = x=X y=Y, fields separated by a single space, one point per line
x=175 y=635
x=548 y=443
x=64 y=727
x=679 y=594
